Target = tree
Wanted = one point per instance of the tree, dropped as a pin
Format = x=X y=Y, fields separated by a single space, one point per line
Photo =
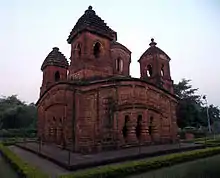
x=16 y=114
x=191 y=110
x=214 y=114
x=188 y=108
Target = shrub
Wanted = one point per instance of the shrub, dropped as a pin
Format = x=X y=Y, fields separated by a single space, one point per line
x=18 y=133
x=209 y=142
x=136 y=167
x=196 y=133
x=9 y=141
x=22 y=168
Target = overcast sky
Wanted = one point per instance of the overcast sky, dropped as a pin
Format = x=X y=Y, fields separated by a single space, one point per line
x=188 y=31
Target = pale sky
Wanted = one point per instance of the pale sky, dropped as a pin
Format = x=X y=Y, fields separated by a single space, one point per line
x=188 y=31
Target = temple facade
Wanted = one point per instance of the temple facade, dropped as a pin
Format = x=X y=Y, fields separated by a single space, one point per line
x=93 y=104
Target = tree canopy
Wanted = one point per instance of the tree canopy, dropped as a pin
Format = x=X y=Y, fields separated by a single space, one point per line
x=192 y=110
x=15 y=113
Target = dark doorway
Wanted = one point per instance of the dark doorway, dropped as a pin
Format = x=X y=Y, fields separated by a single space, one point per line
x=151 y=126
x=125 y=127
x=138 y=127
x=97 y=50
x=57 y=76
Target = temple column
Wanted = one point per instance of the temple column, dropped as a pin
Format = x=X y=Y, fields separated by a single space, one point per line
x=145 y=137
x=131 y=137
x=156 y=134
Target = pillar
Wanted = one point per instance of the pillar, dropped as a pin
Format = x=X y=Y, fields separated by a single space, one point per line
x=145 y=137
x=131 y=137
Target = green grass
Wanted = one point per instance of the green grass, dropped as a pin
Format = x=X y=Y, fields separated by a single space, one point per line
x=207 y=168
x=145 y=165
x=208 y=139
x=21 y=167
x=5 y=170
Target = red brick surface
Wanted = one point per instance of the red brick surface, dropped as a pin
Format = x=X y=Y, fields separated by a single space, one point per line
x=91 y=114
x=92 y=117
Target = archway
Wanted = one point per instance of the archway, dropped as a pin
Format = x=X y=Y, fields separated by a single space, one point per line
x=119 y=64
x=78 y=50
x=150 y=127
x=97 y=50
x=57 y=76
x=149 y=70
x=138 y=127
x=162 y=71
x=125 y=127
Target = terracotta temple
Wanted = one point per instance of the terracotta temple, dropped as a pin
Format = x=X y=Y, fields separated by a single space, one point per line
x=93 y=104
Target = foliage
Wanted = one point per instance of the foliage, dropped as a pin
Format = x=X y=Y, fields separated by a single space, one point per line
x=202 y=168
x=212 y=141
x=29 y=132
x=191 y=110
x=136 y=167
x=16 y=114
x=24 y=169
x=10 y=141
x=196 y=133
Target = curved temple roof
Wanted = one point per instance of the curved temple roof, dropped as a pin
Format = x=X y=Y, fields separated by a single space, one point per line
x=91 y=22
x=153 y=49
x=55 y=58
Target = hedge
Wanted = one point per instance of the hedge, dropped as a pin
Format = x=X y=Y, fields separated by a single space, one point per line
x=136 y=167
x=196 y=133
x=21 y=167
x=30 y=133
x=9 y=141
x=210 y=142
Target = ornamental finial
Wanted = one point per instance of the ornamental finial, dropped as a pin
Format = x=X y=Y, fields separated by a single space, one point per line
x=152 y=42
x=90 y=8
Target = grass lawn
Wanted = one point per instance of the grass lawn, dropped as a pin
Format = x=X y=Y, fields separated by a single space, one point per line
x=5 y=170
x=207 y=168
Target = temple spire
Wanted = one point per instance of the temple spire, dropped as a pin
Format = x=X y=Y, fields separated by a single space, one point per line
x=152 y=42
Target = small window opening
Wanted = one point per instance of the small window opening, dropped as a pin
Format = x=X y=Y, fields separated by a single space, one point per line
x=149 y=71
x=97 y=50
x=125 y=127
x=119 y=65
x=162 y=71
x=78 y=50
x=138 y=127
x=151 y=126
x=151 y=120
x=57 y=76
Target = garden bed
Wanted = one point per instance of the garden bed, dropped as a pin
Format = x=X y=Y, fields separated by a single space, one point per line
x=136 y=167
x=201 y=168
x=79 y=161
x=22 y=168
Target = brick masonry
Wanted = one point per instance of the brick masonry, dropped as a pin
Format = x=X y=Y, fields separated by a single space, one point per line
x=103 y=113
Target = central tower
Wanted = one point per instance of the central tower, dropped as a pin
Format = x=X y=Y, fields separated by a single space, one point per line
x=90 y=41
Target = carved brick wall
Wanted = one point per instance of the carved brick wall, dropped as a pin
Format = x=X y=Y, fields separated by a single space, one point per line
x=55 y=111
x=95 y=115
x=49 y=76
x=132 y=100
x=86 y=65
x=119 y=53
